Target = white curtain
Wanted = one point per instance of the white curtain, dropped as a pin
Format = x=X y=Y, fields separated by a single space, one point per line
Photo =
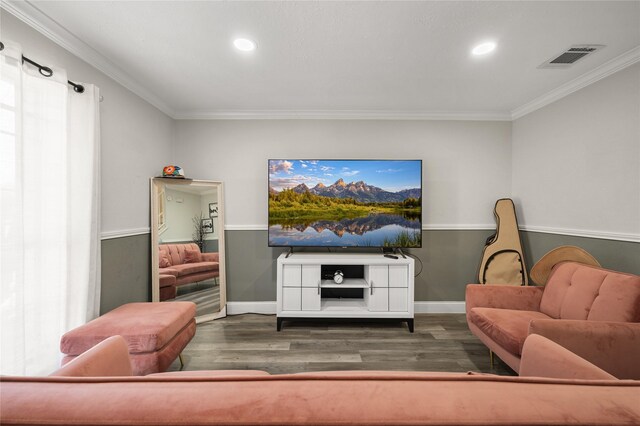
x=49 y=212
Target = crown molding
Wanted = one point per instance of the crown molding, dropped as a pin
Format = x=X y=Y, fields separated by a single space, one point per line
x=36 y=19
x=340 y=115
x=616 y=64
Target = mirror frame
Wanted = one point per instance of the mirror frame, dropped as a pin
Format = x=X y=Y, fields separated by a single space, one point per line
x=155 y=184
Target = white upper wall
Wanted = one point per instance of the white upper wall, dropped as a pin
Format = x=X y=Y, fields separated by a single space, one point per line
x=466 y=164
x=135 y=136
x=576 y=162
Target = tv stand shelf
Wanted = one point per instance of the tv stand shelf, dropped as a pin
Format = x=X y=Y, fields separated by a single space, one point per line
x=379 y=287
x=347 y=283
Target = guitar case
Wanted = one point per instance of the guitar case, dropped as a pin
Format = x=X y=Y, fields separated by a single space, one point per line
x=502 y=257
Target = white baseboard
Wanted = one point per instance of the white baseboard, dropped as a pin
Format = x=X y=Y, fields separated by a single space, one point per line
x=439 y=307
x=236 y=308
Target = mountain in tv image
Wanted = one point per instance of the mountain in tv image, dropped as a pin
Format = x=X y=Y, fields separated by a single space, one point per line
x=359 y=191
x=305 y=209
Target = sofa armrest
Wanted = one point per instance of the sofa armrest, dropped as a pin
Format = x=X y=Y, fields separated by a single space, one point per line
x=542 y=357
x=612 y=346
x=108 y=358
x=211 y=257
x=525 y=298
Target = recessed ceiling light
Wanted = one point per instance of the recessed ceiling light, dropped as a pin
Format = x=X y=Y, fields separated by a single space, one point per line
x=244 y=44
x=484 y=48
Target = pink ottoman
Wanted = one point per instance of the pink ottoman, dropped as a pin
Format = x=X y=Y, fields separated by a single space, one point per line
x=156 y=333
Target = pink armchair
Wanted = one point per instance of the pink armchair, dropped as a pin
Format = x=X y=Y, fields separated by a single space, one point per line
x=593 y=312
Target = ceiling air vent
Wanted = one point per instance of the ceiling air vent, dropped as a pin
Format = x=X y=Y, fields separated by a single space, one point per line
x=571 y=55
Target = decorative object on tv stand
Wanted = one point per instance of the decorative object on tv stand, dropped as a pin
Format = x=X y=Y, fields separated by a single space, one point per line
x=173 y=172
x=338 y=277
x=345 y=203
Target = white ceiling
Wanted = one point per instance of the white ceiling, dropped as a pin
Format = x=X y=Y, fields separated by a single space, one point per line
x=344 y=57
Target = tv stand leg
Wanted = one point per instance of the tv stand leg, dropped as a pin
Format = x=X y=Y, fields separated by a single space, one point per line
x=278 y=324
x=410 y=324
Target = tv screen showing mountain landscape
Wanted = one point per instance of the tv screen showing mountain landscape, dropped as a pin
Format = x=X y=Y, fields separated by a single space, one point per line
x=345 y=203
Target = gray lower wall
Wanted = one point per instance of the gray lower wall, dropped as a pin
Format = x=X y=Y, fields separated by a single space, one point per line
x=126 y=273
x=620 y=256
x=449 y=262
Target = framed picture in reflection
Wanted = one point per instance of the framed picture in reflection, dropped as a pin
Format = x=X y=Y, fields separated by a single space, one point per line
x=207 y=226
x=213 y=210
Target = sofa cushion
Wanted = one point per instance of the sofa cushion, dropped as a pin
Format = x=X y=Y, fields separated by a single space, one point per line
x=147 y=327
x=192 y=256
x=617 y=300
x=508 y=328
x=164 y=260
x=193 y=268
x=177 y=252
x=574 y=290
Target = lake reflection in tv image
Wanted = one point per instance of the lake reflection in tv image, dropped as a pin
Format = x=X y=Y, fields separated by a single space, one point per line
x=320 y=203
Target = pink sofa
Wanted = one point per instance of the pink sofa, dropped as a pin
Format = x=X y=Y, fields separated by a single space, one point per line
x=593 y=312
x=97 y=389
x=186 y=264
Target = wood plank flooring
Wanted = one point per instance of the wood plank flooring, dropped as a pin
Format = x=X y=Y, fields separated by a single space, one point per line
x=441 y=342
x=205 y=294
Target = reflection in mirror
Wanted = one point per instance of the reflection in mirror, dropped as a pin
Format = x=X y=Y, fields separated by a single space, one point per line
x=188 y=244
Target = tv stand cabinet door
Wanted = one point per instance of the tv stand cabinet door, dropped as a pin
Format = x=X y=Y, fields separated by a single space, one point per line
x=291 y=298
x=310 y=299
x=398 y=299
x=378 y=299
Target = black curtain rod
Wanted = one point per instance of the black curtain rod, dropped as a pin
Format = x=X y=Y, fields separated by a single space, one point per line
x=46 y=71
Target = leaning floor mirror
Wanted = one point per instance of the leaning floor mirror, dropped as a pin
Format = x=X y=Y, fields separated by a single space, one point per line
x=187 y=244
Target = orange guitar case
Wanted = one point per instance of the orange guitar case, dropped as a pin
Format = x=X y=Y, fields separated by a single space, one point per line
x=502 y=257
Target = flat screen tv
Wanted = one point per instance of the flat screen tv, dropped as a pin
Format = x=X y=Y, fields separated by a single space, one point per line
x=345 y=203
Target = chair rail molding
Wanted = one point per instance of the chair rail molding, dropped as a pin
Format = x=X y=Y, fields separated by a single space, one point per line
x=121 y=233
x=603 y=235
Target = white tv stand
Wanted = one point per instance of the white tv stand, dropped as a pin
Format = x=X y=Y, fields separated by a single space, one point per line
x=383 y=287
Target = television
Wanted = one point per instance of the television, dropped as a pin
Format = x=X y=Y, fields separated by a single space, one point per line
x=345 y=203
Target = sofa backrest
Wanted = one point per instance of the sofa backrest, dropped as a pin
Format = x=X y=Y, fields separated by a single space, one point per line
x=177 y=252
x=583 y=292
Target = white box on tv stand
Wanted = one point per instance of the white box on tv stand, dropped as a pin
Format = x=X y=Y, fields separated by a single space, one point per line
x=388 y=288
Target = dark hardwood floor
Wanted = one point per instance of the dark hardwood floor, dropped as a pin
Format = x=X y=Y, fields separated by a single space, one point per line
x=441 y=342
